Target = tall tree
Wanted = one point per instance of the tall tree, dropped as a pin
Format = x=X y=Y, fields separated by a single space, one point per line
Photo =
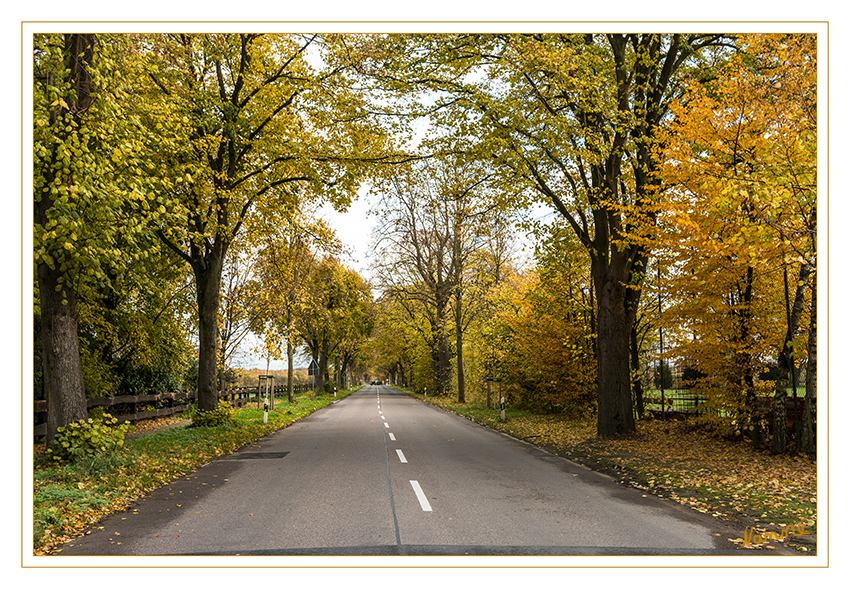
x=416 y=266
x=247 y=127
x=239 y=296
x=285 y=261
x=576 y=118
x=335 y=313
x=742 y=154
x=86 y=194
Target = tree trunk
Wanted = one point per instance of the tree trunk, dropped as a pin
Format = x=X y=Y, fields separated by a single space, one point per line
x=62 y=372
x=807 y=442
x=461 y=384
x=637 y=386
x=61 y=366
x=207 y=282
x=786 y=358
x=615 y=415
x=780 y=428
x=290 y=361
x=745 y=377
x=443 y=360
x=323 y=366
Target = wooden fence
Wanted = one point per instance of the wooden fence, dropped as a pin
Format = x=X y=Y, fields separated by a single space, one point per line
x=125 y=407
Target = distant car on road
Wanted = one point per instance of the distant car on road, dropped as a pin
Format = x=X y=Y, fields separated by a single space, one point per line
x=377 y=382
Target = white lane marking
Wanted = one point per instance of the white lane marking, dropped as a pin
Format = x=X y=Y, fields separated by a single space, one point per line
x=423 y=501
x=392 y=437
x=386 y=425
x=401 y=457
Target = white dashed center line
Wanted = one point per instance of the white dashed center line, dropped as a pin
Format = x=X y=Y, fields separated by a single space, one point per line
x=423 y=501
x=392 y=437
x=386 y=425
x=401 y=457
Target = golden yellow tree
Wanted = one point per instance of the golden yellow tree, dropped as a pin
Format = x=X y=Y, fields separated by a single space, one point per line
x=742 y=155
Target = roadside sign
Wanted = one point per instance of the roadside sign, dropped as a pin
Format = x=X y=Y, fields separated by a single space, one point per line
x=313 y=370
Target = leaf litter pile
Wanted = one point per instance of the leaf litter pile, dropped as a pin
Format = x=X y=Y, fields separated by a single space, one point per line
x=681 y=462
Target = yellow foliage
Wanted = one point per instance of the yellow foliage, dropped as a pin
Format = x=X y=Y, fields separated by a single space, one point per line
x=543 y=345
x=740 y=158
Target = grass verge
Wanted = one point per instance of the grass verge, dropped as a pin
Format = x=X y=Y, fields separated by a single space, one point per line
x=67 y=498
x=677 y=461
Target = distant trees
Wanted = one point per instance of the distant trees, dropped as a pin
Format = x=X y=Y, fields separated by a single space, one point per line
x=575 y=118
x=284 y=262
x=239 y=299
x=246 y=127
x=437 y=218
x=540 y=345
x=335 y=316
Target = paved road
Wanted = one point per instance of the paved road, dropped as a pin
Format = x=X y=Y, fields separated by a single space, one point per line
x=381 y=473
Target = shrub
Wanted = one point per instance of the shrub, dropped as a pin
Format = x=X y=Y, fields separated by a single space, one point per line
x=221 y=415
x=85 y=438
x=98 y=412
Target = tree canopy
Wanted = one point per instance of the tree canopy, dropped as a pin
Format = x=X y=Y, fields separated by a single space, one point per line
x=176 y=178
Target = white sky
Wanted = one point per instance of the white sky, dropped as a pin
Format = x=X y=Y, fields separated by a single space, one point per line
x=354 y=229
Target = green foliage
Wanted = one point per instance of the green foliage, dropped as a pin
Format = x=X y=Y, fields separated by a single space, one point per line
x=69 y=496
x=86 y=177
x=221 y=415
x=98 y=412
x=85 y=438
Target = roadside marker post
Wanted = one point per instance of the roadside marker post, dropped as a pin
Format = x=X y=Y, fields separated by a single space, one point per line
x=502 y=406
x=266 y=410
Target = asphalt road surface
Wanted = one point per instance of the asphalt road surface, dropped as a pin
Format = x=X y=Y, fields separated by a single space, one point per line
x=381 y=473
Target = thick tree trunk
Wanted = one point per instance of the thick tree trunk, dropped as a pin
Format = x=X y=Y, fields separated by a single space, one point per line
x=443 y=359
x=615 y=415
x=61 y=366
x=207 y=282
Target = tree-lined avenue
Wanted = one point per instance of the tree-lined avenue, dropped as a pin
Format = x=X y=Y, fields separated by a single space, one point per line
x=398 y=476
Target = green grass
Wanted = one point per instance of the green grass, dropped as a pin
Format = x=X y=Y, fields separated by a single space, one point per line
x=68 y=497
